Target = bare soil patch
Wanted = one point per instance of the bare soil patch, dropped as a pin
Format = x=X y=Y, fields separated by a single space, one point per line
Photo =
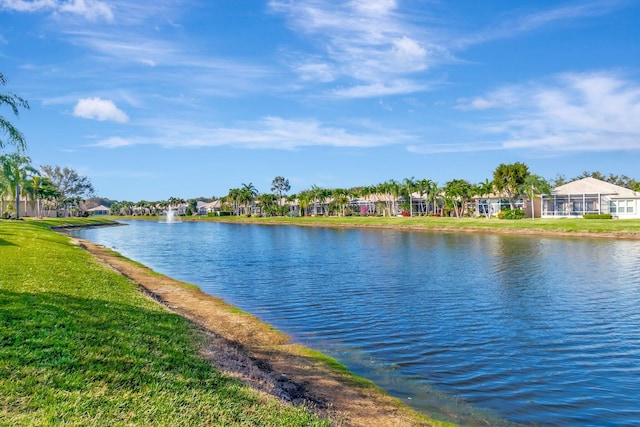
x=263 y=358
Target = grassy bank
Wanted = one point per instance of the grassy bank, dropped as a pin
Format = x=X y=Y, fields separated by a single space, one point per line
x=630 y=228
x=80 y=345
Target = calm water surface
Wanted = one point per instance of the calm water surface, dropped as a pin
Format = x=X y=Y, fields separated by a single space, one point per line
x=469 y=328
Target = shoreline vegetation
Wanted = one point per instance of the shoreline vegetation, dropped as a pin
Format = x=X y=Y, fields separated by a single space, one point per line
x=82 y=345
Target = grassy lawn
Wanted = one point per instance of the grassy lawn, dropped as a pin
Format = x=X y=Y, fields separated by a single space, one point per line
x=570 y=225
x=80 y=345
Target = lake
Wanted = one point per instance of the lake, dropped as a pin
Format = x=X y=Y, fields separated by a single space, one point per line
x=466 y=327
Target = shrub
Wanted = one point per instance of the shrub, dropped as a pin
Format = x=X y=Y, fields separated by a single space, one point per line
x=511 y=214
x=597 y=216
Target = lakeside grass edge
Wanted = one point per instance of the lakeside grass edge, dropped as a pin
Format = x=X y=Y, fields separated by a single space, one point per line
x=326 y=361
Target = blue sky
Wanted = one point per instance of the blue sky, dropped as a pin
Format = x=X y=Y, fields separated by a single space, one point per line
x=188 y=98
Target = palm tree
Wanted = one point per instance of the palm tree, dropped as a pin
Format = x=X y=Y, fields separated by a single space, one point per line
x=33 y=190
x=409 y=185
x=391 y=191
x=340 y=198
x=319 y=196
x=233 y=198
x=44 y=189
x=5 y=189
x=534 y=185
x=268 y=203
x=433 y=195
x=483 y=189
x=365 y=192
x=424 y=186
x=126 y=208
x=457 y=192
x=14 y=102
x=248 y=194
x=17 y=172
x=395 y=190
x=509 y=180
x=304 y=200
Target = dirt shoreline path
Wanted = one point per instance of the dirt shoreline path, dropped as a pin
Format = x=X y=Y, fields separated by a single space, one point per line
x=263 y=358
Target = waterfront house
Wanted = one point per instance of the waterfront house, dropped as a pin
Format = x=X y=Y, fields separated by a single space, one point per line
x=591 y=196
x=209 y=208
x=28 y=208
x=99 y=210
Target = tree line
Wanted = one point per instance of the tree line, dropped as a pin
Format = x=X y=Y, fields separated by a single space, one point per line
x=509 y=182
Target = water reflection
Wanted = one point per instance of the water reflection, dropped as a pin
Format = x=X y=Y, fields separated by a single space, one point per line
x=537 y=330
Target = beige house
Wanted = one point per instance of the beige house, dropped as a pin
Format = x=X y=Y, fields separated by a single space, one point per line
x=211 y=207
x=28 y=208
x=99 y=210
x=591 y=196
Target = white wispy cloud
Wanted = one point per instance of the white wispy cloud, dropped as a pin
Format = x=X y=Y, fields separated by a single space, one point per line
x=573 y=112
x=518 y=22
x=92 y=10
x=394 y=87
x=369 y=41
x=455 y=148
x=267 y=133
x=365 y=46
x=99 y=109
x=113 y=142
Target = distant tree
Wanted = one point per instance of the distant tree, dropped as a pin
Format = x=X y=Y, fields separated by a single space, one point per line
x=508 y=179
x=281 y=186
x=587 y=174
x=93 y=202
x=268 y=204
x=304 y=200
x=408 y=187
x=366 y=191
x=340 y=199
x=534 y=185
x=319 y=196
x=248 y=194
x=390 y=190
x=121 y=208
x=620 y=180
x=484 y=189
x=424 y=187
x=46 y=192
x=432 y=196
x=457 y=193
x=192 y=208
x=558 y=180
x=42 y=190
x=175 y=201
x=69 y=182
x=14 y=136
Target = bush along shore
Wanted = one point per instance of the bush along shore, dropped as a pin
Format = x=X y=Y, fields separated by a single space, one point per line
x=81 y=345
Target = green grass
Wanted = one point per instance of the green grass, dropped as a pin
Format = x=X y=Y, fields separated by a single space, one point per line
x=570 y=225
x=79 y=345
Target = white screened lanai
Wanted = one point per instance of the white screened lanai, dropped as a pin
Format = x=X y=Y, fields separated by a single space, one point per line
x=591 y=196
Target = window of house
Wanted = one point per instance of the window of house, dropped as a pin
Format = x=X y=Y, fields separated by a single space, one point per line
x=630 y=206
x=622 y=206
